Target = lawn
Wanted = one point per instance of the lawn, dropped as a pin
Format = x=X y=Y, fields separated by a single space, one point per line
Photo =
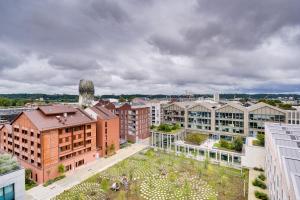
x=157 y=175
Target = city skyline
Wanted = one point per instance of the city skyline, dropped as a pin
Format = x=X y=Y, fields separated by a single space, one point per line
x=151 y=47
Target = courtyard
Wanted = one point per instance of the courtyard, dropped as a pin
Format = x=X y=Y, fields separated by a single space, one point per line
x=153 y=174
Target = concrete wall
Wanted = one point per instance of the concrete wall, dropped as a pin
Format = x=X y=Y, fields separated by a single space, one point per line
x=18 y=178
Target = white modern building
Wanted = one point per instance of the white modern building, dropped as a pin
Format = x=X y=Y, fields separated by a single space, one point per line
x=282 y=142
x=12 y=179
x=155 y=111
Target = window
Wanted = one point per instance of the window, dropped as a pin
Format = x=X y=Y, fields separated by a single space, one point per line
x=16 y=130
x=105 y=124
x=32 y=143
x=60 y=140
x=67 y=139
x=7 y=193
x=88 y=126
x=88 y=134
x=31 y=134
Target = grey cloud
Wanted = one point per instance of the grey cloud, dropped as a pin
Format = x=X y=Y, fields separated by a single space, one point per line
x=156 y=46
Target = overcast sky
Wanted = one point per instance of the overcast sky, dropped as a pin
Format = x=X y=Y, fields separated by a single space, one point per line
x=150 y=46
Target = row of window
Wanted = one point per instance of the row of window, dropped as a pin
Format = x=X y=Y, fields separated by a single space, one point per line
x=75 y=154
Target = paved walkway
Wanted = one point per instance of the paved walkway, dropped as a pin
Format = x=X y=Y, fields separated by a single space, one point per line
x=43 y=193
x=253 y=174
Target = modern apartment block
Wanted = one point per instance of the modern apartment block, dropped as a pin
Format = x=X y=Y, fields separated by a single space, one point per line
x=134 y=120
x=12 y=179
x=223 y=119
x=155 y=111
x=44 y=138
x=282 y=144
x=108 y=130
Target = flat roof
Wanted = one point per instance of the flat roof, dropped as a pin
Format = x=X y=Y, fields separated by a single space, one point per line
x=286 y=137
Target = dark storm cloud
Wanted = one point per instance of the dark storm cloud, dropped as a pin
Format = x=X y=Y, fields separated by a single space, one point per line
x=149 y=45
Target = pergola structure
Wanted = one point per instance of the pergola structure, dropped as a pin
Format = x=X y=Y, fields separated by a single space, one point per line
x=175 y=142
x=215 y=155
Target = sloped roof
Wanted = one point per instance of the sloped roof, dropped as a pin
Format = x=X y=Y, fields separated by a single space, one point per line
x=103 y=113
x=262 y=104
x=57 y=109
x=7 y=126
x=75 y=116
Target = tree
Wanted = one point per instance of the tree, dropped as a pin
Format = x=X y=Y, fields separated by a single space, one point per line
x=238 y=143
x=61 y=169
x=122 y=99
x=28 y=173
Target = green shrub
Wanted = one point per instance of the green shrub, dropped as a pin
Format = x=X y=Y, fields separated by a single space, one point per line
x=259 y=183
x=238 y=143
x=196 y=138
x=261 y=138
x=258 y=169
x=262 y=177
x=224 y=144
x=168 y=127
x=261 y=195
x=152 y=127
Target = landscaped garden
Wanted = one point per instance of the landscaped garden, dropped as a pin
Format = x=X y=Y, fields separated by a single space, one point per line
x=196 y=138
x=157 y=175
x=166 y=128
x=235 y=145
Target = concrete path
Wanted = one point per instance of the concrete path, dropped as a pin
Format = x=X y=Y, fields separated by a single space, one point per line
x=253 y=174
x=80 y=174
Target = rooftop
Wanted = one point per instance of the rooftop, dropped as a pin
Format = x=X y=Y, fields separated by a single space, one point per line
x=102 y=112
x=8 y=164
x=286 y=139
x=57 y=116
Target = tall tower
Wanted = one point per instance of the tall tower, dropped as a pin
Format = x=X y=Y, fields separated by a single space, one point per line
x=216 y=97
x=86 y=93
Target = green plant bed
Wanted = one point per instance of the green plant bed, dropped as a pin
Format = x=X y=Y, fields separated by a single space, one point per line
x=50 y=181
x=29 y=184
x=262 y=177
x=257 y=143
x=261 y=195
x=259 y=183
x=258 y=169
x=196 y=138
x=158 y=175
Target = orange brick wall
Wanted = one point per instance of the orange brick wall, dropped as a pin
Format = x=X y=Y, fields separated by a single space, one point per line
x=113 y=135
x=47 y=158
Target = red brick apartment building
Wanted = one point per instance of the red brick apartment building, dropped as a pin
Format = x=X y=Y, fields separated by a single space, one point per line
x=48 y=136
x=108 y=130
x=134 y=120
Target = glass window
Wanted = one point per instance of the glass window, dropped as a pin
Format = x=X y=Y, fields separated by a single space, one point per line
x=7 y=193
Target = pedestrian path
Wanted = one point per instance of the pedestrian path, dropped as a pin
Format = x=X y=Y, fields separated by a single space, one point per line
x=43 y=193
